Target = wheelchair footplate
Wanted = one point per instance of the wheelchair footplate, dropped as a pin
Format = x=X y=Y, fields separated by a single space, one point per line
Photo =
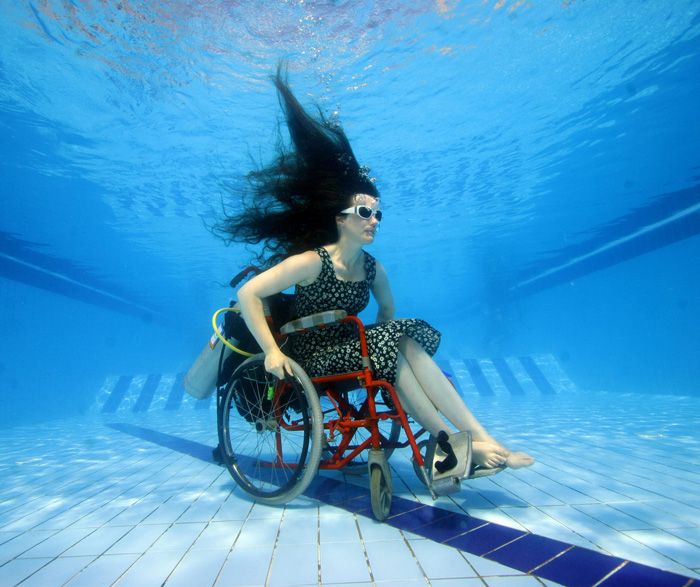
x=446 y=463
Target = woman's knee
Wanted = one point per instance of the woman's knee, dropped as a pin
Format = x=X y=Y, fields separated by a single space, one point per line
x=411 y=350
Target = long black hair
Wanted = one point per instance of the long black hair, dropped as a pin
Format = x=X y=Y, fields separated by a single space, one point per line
x=292 y=203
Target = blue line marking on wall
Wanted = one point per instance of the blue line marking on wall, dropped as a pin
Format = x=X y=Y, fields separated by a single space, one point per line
x=147 y=392
x=117 y=395
x=176 y=393
x=658 y=224
x=537 y=376
x=506 y=374
x=477 y=375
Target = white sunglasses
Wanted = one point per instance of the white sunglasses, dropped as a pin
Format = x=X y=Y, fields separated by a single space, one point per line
x=364 y=212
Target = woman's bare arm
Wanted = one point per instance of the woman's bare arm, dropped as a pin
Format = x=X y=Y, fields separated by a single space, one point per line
x=303 y=268
x=381 y=290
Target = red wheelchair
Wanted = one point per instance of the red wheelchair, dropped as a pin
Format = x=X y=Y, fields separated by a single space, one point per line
x=275 y=434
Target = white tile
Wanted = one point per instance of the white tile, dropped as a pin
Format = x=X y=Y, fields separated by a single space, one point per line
x=674 y=548
x=299 y=530
x=234 y=508
x=153 y=568
x=139 y=539
x=177 y=538
x=23 y=542
x=58 y=543
x=103 y=571
x=294 y=564
x=487 y=568
x=497 y=516
x=338 y=528
x=524 y=491
x=202 y=510
x=343 y=562
x=465 y=582
x=98 y=542
x=371 y=530
x=7 y=536
x=623 y=546
x=653 y=516
x=168 y=512
x=392 y=561
x=246 y=566
x=691 y=535
x=136 y=513
x=613 y=517
x=197 y=567
x=58 y=571
x=262 y=511
x=20 y=568
x=521 y=581
x=258 y=533
x=218 y=536
x=439 y=561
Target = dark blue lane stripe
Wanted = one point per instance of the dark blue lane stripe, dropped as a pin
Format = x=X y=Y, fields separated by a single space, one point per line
x=176 y=393
x=529 y=553
x=592 y=255
x=477 y=375
x=537 y=376
x=146 y=395
x=509 y=380
x=203 y=404
x=117 y=395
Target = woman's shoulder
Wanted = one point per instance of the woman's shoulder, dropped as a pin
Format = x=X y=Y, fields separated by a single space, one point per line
x=307 y=265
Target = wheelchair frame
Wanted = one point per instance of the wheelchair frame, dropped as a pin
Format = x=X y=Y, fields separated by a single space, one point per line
x=282 y=423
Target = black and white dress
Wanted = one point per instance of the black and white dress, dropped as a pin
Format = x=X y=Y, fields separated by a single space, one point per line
x=336 y=348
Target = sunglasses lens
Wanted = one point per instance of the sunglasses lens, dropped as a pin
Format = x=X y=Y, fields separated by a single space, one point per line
x=364 y=212
x=378 y=215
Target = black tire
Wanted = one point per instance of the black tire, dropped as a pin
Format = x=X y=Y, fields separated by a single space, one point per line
x=380 y=493
x=271 y=432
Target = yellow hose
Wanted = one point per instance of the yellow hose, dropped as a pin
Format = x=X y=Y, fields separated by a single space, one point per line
x=221 y=338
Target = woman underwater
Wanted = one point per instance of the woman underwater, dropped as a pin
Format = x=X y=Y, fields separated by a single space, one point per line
x=315 y=209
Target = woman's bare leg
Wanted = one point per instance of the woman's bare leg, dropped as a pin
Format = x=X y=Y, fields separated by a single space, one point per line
x=417 y=403
x=445 y=398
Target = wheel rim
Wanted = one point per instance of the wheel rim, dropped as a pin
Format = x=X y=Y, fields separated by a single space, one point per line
x=267 y=441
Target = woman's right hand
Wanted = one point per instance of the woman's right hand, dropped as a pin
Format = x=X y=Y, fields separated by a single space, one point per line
x=277 y=363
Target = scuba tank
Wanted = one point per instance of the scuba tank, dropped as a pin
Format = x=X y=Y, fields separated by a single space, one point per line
x=228 y=347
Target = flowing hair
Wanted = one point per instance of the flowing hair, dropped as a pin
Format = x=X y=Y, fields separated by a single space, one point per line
x=292 y=203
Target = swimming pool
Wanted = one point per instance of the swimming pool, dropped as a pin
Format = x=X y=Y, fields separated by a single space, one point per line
x=538 y=166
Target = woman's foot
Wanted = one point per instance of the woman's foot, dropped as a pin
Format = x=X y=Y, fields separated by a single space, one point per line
x=491 y=455
x=488 y=454
x=518 y=460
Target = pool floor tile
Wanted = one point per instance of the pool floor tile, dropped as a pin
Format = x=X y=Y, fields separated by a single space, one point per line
x=578 y=567
x=150 y=507
x=343 y=563
x=439 y=561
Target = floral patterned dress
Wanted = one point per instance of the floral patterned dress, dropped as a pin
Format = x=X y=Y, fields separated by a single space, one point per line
x=336 y=348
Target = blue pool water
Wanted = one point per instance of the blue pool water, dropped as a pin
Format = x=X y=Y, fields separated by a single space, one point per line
x=539 y=165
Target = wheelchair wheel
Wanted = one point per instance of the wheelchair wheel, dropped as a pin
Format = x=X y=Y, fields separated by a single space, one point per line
x=380 y=493
x=271 y=432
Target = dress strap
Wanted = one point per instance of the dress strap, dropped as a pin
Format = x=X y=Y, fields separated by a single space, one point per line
x=370 y=267
x=326 y=262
